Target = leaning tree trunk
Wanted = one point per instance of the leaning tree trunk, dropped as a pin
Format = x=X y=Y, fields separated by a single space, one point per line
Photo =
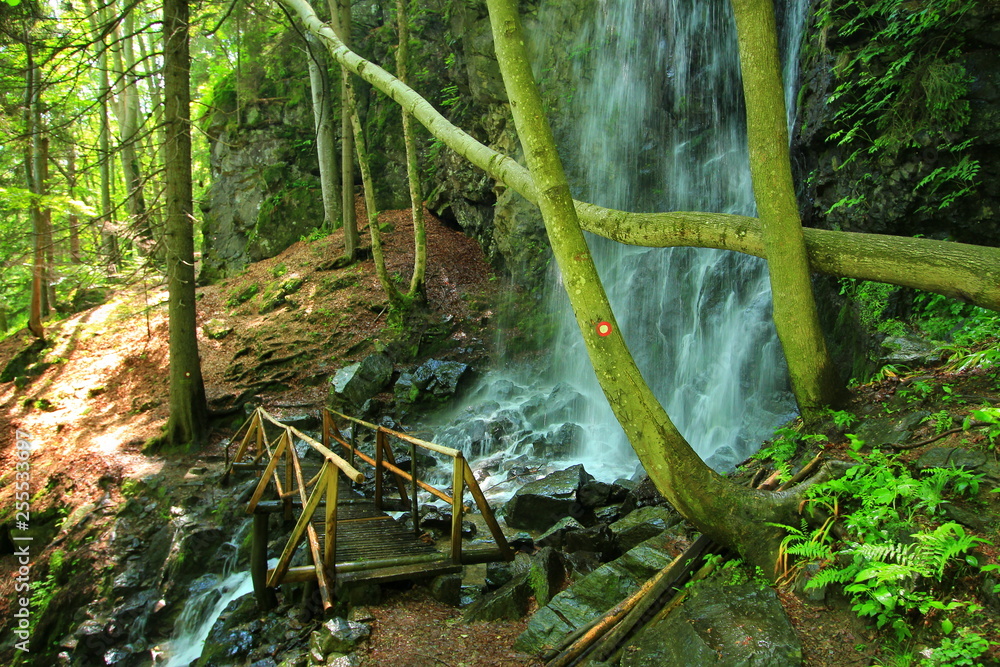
x=412 y=167
x=326 y=149
x=187 y=425
x=810 y=368
x=967 y=272
x=733 y=515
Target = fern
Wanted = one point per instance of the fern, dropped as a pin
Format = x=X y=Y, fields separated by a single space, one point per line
x=938 y=548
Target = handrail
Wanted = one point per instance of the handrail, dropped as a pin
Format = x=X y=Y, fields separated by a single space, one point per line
x=440 y=449
x=352 y=473
x=462 y=478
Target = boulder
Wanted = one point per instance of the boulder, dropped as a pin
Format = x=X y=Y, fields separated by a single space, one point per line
x=591 y=596
x=889 y=431
x=509 y=602
x=216 y=329
x=951 y=457
x=556 y=535
x=432 y=382
x=642 y=524
x=352 y=385
x=728 y=625
x=539 y=504
x=338 y=635
x=546 y=574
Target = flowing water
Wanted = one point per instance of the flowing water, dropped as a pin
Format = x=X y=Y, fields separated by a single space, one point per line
x=210 y=595
x=659 y=126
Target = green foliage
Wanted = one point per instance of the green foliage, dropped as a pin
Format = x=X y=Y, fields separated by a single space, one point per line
x=895 y=562
x=785 y=445
x=902 y=86
x=962 y=650
x=872 y=299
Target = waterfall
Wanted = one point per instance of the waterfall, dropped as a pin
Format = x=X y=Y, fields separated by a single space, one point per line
x=658 y=125
x=210 y=595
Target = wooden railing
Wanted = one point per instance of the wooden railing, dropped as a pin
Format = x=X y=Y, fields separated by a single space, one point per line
x=322 y=486
x=462 y=477
x=263 y=455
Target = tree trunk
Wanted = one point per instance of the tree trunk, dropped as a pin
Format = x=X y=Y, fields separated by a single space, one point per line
x=153 y=80
x=395 y=298
x=810 y=368
x=109 y=239
x=733 y=515
x=187 y=425
x=340 y=13
x=326 y=148
x=127 y=111
x=412 y=167
x=32 y=119
x=73 y=221
x=966 y=272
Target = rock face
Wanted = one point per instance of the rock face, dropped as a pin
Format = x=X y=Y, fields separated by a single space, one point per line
x=880 y=191
x=265 y=191
x=728 y=625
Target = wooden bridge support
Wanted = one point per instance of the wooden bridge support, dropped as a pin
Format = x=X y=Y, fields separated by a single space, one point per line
x=266 y=599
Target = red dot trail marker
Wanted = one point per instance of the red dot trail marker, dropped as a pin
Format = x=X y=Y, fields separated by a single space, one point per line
x=603 y=329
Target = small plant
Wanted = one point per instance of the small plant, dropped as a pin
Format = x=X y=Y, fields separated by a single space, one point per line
x=842 y=418
x=279 y=270
x=942 y=421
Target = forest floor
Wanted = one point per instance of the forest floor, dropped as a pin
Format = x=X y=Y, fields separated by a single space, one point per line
x=89 y=414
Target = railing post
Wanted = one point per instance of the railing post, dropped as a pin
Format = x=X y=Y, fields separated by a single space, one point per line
x=379 y=444
x=330 y=547
x=266 y=599
x=457 y=491
x=414 y=508
x=289 y=474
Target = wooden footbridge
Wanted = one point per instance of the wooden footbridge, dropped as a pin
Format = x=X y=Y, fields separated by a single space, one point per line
x=348 y=536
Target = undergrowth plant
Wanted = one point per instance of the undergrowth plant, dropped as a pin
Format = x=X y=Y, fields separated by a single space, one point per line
x=881 y=539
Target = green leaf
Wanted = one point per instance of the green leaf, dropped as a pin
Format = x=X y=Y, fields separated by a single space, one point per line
x=947 y=626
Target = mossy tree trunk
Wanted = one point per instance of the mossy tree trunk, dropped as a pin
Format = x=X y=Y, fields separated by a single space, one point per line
x=810 y=368
x=187 y=425
x=966 y=272
x=412 y=165
x=340 y=18
x=733 y=515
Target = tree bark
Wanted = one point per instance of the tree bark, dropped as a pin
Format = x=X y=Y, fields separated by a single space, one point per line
x=187 y=425
x=73 y=220
x=340 y=14
x=967 y=272
x=128 y=125
x=810 y=368
x=326 y=149
x=733 y=515
x=32 y=119
x=412 y=166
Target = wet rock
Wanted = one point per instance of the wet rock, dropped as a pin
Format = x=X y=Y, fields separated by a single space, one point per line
x=597 y=539
x=594 y=494
x=338 y=635
x=354 y=384
x=432 y=382
x=608 y=514
x=563 y=442
x=951 y=457
x=509 y=602
x=539 y=504
x=555 y=536
x=447 y=588
x=642 y=524
x=546 y=574
x=909 y=351
x=726 y=625
x=888 y=431
x=591 y=596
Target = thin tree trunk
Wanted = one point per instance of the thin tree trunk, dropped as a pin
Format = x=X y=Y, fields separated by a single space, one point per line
x=412 y=167
x=73 y=221
x=153 y=80
x=340 y=12
x=109 y=239
x=395 y=298
x=48 y=247
x=326 y=149
x=127 y=111
x=31 y=121
x=187 y=425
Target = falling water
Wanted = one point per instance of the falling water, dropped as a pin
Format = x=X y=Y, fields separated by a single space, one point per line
x=660 y=126
x=210 y=597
